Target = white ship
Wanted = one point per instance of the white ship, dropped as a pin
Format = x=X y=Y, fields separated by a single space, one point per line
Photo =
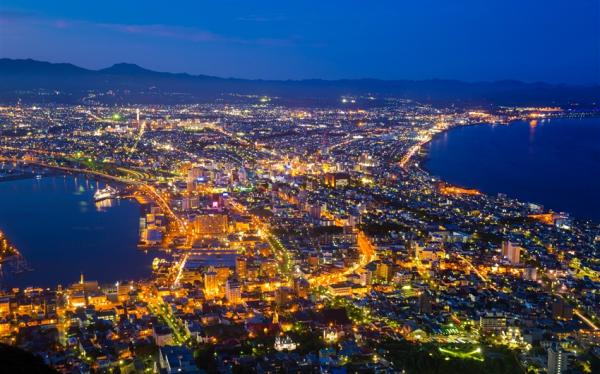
x=105 y=193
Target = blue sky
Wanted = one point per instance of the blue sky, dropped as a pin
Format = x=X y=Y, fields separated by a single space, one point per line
x=473 y=40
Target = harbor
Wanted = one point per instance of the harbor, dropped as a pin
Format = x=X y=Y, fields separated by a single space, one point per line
x=62 y=230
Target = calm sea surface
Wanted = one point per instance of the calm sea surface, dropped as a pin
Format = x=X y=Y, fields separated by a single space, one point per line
x=555 y=163
x=61 y=232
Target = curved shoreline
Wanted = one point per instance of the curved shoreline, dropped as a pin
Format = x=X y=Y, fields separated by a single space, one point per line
x=31 y=255
x=422 y=157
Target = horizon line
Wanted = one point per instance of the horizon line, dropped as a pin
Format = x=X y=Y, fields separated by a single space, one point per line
x=596 y=84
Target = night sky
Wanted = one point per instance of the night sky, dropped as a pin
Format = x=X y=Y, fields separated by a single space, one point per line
x=472 y=40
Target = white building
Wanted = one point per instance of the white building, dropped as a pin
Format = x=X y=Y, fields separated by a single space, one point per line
x=557 y=359
x=285 y=343
x=511 y=252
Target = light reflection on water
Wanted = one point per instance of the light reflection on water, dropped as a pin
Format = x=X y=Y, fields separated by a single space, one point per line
x=62 y=231
x=555 y=162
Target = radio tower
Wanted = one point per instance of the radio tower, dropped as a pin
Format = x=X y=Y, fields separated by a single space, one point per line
x=141 y=126
x=325 y=143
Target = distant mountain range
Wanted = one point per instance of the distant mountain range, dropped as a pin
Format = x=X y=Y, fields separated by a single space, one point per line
x=38 y=81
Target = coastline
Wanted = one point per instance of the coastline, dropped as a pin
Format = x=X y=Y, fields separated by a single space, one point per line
x=29 y=255
x=419 y=157
x=423 y=155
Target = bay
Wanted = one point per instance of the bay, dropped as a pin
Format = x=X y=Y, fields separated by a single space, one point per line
x=62 y=233
x=554 y=162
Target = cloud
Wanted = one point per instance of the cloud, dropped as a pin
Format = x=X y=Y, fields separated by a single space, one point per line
x=185 y=33
x=259 y=18
x=166 y=31
x=61 y=24
x=14 y=16
x=191 y=34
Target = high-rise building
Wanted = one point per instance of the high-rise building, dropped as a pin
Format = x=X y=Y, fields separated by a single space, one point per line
x=385 y=270
x=511 y=252
x=212 y=224
x=233 y=291
x=425 y=302
x=189 y=203
x=366 y=277
x=557 y=359
x=492 y=322
x=197 y=175
x=211 y=286
x=241 y=266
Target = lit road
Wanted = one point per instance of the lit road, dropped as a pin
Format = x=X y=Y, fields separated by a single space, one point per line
x=426 y=139
x=180 y=268
x=477 y=272
x=367 y=255
x=586 y=320
x=161 y=310
x=284 y=256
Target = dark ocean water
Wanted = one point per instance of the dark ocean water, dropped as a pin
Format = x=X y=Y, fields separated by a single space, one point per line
x=61 y=232
x=555 y=163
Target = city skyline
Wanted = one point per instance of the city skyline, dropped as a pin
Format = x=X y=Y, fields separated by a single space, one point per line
x=384 y=187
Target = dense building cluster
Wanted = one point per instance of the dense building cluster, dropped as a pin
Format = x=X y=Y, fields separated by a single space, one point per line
x=304 y=240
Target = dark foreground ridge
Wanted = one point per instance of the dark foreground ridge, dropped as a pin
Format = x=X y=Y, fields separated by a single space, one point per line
x=17 y=361
x=129 y=83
